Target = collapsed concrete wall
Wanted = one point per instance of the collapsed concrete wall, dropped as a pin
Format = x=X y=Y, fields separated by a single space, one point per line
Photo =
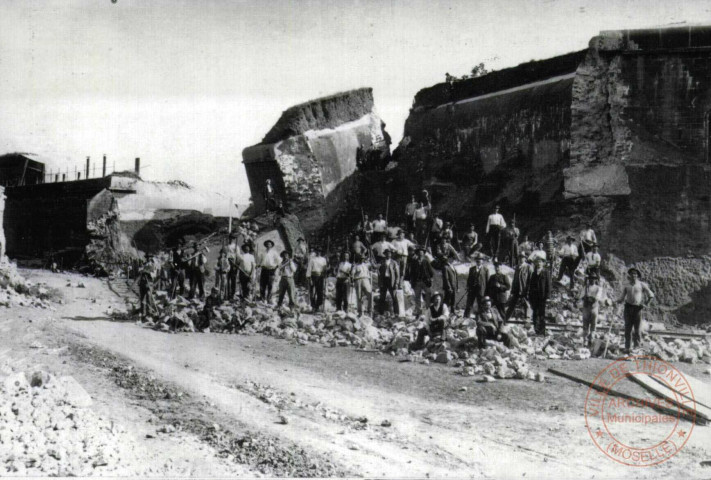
x=617 y=134
x=311 y=151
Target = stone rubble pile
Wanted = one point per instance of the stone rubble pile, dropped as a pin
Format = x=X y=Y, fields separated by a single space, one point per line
x=46 y=429
x=16 y=291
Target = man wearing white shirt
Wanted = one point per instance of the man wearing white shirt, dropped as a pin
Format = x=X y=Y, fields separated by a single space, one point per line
x=494 y=225
x=380 y=227
x=420 y=217
x=569 y=258
x=316 y=271
x=246 y=267
x=379 y=248
x=287 y=269
x=593 y=261
x=269 y=261
x=400 y=247
x=343 y=280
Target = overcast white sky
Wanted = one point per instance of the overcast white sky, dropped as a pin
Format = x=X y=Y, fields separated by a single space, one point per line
x=187 y=84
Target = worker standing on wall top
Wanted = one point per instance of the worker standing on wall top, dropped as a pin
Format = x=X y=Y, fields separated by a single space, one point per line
x=269 y=262
x=636 y=295
x=494 y=225
x=316 y=271
x=270 y=198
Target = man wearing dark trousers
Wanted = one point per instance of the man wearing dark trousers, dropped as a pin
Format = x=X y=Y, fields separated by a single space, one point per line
x=636 y=295
x=316 y=271
x=476 y=284
x=269 y=262
x=488 y=325
x=389 y=279
x=450 y=282
x=519 y=289
x=497 y=288
x=539 y=289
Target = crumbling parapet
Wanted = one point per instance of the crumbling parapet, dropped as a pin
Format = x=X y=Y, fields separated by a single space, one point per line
x=311 y=150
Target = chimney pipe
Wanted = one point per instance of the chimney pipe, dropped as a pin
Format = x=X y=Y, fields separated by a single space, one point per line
x=138 y=166
x=103 y=169
x=87 y=168
x=56 y=178
x=64 y=177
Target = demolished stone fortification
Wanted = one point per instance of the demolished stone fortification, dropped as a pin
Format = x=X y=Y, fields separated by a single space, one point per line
x=614 y=134
x=311 y=152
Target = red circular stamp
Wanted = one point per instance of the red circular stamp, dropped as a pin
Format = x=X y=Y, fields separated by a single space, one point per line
x=634 y=430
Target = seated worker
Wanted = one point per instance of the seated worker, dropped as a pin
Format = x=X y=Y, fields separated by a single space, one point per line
x=488 y=325
x=208 y=312
x=434 y=327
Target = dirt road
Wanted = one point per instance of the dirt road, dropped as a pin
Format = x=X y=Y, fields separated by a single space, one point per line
x=357 y=413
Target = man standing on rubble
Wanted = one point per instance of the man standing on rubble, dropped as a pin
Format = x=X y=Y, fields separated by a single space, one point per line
x=421 y=274
x=145 y=287
x=549 y=244
x=246 y=267
x=494 y=225
x=301 y=258
x=177 y=285
x=420 y=218
x=197 y=264
x=593 y=261
x=379 y=248
x=519 y=289
x=361 y=282
x=510 y=237
x=358 y=247
x=592 y=296
x=450 y=282
x=539 y=289
x=366 y=230
x=380 y=228
x=269 y=262
x=476 y=284
x=316 y=271
x=287 y=270
x=498 y=287
x=222 y=270
x=569 y=259
x=401 y=247
x=343 y=280
x=526 y=246
x=636 y=295
x=232 y=252
x=389 y=279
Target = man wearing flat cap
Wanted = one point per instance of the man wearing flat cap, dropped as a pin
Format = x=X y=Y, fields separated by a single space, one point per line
x=636 y=295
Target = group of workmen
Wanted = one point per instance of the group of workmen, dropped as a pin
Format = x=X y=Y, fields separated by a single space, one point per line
x=420 y=247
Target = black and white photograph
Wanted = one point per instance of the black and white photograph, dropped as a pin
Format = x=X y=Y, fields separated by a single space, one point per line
x=355 y=239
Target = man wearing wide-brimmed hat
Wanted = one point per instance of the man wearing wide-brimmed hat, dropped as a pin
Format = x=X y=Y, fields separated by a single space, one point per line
x=287 y=269
x=269 y=261
x=636 y=295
